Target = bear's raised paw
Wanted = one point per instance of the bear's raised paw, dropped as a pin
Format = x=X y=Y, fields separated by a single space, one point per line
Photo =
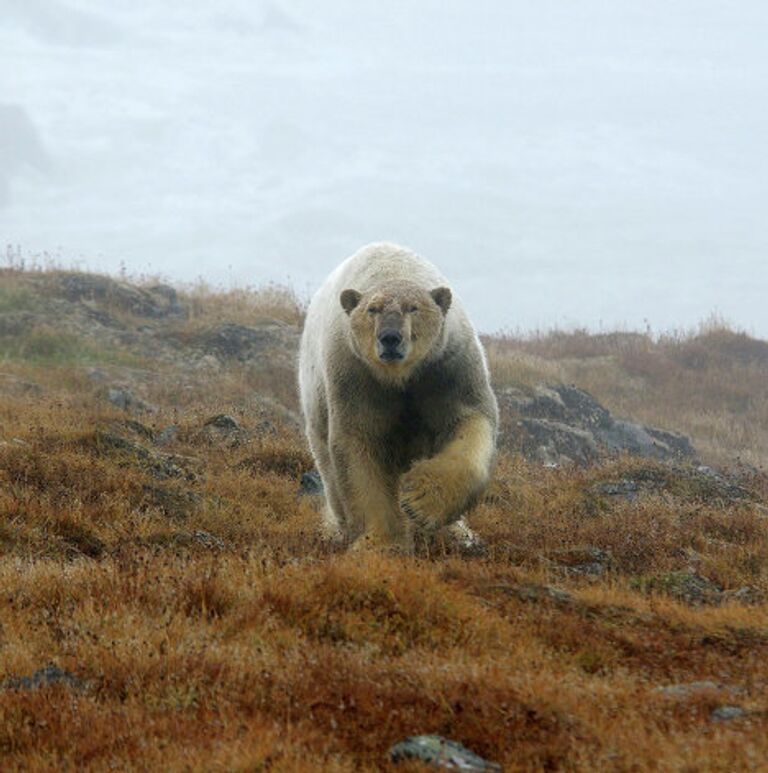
x=423 y=497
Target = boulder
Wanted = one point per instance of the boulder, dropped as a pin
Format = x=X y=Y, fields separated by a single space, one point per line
x=727 y=713
x=232 y=341
x=589 y=561
x=311 y=484
x=560 y=424
x=157 y=301
x=122 y=397
x=439 y=752
x=688 y=587
x=18 y=387
x=552 y=442
x=44 y=677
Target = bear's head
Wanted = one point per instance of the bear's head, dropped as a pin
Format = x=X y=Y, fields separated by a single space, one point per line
x=396 y=326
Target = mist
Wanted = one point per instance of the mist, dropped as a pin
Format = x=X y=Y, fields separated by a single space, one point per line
x=593 y=163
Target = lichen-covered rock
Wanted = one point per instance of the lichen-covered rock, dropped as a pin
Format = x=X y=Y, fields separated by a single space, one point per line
x=440 y=753
x=123 y=398
x=19 y=387
x=682 y=481
x=223 y=423
x=44 y=677
x=173 y=502
x=727 y=713
x=558 y=424
x=159 y=465
x=270 y=339
x=311 y=484
x=554 y=443
x=688 y=587
x=156 y=301
x=590 y=561
x=688 y=690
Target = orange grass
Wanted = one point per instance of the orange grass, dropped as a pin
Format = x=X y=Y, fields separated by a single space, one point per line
x=212 y=628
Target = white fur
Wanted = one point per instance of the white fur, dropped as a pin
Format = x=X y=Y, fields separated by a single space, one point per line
x=369 y=267
x=364 y=498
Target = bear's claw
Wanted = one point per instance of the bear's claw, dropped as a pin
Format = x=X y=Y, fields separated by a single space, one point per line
x=421 y=500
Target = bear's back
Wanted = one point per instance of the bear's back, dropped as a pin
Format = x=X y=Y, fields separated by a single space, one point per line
x=382 y=263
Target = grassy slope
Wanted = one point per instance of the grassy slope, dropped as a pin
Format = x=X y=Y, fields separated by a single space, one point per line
x=214 y=630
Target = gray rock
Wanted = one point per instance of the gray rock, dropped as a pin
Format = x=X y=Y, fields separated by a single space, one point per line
x=715 y=484
x=167 y=436
x=590 y=561
x=198 y=537
x=100 y=317
x=17 y=323
x=176 y=504
x=535 y=594
x=620 y=489
x=223 y=422
x=311 y=484
x=561 y=423
x=12 y=385
x=137 y=428
x=440 y=753
x=172 y=303
x=241 y=342
x=747 y=595
x=97 y=374
x=159 y=465
x=44 y=677
x=688 y=587
x=15 y=442
x=224 y=429
x=701 y=484
x=208 y=363
x=270 y=415
x=553 y=443
x=582 y=409
x=625 y=436
x=727 y=713
x=156 y=302
x=680 y=445
x=123 y=398
x=686 y=690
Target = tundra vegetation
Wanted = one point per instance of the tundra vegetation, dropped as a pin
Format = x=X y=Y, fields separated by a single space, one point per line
x=167 y=601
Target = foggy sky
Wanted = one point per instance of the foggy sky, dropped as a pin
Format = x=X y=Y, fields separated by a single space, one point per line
x=594 y=162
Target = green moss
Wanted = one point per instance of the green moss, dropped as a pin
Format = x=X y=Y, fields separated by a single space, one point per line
x=17 y=299
x=45 y=345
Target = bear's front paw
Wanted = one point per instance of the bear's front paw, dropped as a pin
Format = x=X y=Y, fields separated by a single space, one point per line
x=372 y=542
x=422 y=498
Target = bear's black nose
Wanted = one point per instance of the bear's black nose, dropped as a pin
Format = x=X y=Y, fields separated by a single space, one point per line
x=390 y=339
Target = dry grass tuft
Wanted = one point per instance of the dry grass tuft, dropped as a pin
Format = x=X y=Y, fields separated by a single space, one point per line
x=209 y=305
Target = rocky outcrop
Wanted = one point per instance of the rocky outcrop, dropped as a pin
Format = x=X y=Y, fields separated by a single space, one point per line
x=156 y=302
x=438 y=752
x=268 y=342
x=45 y=677
x=562 y=424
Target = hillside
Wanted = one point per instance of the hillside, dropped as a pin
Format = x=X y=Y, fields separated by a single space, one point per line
x=168 y=602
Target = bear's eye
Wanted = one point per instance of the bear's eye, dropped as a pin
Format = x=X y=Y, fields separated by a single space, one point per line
x=411 y=309
x=374 y=310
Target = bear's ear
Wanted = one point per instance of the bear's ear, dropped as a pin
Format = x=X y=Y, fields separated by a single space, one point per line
x=349 y=300
x=442 y=297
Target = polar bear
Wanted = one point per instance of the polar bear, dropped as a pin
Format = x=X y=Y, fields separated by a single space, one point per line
x=399 y=412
